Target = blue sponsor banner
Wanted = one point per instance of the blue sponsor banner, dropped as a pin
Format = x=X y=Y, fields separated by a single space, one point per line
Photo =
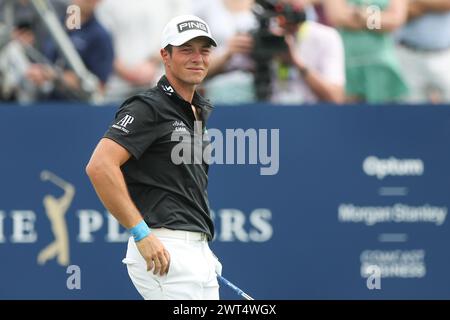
x=318 y=202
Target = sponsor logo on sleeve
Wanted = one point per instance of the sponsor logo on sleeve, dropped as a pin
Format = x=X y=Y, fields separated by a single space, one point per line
x=123 y=123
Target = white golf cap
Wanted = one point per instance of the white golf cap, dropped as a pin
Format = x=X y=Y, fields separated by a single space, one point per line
x=183 y=28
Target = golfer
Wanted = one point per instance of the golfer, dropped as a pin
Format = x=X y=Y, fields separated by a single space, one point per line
x=161 y=200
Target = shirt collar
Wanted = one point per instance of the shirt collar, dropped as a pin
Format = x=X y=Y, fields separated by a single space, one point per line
x=198 y=101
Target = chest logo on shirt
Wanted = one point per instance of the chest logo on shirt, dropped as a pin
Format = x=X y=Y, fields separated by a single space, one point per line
x=122 y=123
x=179 y=126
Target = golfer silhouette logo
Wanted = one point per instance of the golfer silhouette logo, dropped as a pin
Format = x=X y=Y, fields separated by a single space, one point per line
x=56 y=208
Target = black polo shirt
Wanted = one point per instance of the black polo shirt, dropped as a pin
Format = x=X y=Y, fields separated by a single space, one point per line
x=167 y=194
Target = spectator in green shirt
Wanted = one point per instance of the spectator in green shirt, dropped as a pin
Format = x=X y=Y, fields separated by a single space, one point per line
x=366 y=26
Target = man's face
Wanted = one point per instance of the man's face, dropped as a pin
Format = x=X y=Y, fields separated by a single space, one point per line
x=189 y=62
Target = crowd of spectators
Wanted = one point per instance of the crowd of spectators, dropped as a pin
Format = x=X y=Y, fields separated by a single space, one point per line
x=331 y=51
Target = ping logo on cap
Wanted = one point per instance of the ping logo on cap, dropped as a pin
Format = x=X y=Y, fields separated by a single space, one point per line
x=191 y=25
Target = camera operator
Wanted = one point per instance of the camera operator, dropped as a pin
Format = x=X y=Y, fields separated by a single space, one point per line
x=312 y=67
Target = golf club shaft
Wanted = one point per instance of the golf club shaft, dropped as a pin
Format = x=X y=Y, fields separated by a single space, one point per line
x=235 y=289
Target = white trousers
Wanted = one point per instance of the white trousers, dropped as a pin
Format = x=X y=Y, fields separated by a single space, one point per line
x=192 y=270
x=425 y=73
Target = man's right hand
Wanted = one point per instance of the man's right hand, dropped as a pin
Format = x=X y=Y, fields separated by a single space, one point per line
x=140 y=74
x=240 y=43
x=155 y=254
x=40 y=73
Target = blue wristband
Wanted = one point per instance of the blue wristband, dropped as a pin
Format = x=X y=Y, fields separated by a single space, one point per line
x=140 y=231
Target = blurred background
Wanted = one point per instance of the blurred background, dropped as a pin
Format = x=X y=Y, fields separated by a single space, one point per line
x=352 y=97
